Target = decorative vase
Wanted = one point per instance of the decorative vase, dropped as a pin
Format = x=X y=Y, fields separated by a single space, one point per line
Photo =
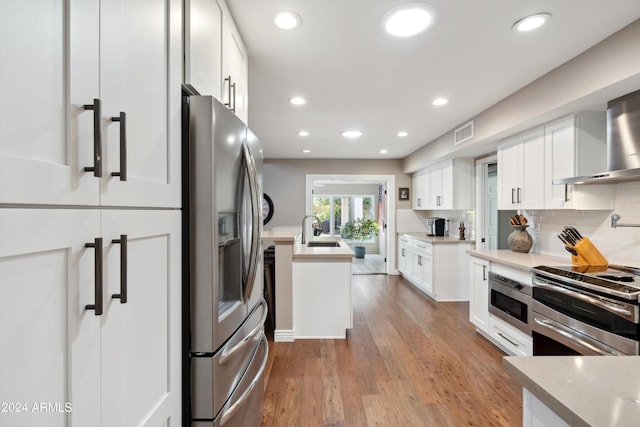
x=359 y=251
x=519 y=240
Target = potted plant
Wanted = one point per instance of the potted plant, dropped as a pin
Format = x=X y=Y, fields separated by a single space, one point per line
x=359 y=230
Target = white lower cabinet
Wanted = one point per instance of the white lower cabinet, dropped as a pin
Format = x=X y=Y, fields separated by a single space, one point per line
x=435 y=268
x=508 y=338
x=479 y=293
x=120 y=368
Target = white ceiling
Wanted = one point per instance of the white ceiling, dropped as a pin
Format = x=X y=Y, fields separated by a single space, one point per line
x=355 y=76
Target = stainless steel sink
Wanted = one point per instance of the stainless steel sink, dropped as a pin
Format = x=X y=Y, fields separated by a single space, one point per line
x=323 y=244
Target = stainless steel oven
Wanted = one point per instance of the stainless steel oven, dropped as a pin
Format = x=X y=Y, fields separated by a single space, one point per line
x=577 y=311
x=510 y=300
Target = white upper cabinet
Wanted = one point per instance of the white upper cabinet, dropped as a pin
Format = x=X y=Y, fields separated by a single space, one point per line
x=140 y=76
x=203 y=46
x=215 y=57
x=521 y=171
x=234 y=70
x=450 y=185
x=59 y=143
x=576 y=146
x=46 y=136
x=420 y=188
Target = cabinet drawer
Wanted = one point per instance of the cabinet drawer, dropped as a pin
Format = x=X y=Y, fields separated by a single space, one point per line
x=423 y=247
x=509 y=338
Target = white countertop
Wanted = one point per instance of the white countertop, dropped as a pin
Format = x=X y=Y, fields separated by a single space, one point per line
x=343 y=253
x=435 y=239
x=583 y=390
x=519 y=260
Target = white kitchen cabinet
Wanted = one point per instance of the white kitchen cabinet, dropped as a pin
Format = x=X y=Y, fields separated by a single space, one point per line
x=521 y=171
x=119 y=368
x=576 y=146
x=203 y=46
x=439 y=270
x=124 y=57
x=450 y=185
x=511 y=340
x=46 y=137
x=479 y=293
x=141 y=358
x=49 y=343
x=420 y=188
x=215 y=57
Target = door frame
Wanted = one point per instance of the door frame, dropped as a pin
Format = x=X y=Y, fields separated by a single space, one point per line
x=390 y=207
x=482 y=167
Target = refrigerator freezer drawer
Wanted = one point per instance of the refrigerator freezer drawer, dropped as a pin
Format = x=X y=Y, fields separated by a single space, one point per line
x=214 y=377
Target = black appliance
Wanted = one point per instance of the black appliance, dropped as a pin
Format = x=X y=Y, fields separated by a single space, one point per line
x=511 y=301
x=586 y=310
x=436 y=226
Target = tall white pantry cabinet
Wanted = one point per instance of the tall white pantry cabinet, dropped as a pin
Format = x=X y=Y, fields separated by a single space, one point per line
x=90 y=225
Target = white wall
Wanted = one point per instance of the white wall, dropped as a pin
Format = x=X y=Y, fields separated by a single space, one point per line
x=285 y=180
x=619 y=246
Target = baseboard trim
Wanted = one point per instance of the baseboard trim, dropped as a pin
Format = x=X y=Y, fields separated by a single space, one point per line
x=283 y=335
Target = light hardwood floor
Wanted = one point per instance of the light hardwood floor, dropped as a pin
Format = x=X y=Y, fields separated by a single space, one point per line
x=370 y=264
x=408 y=361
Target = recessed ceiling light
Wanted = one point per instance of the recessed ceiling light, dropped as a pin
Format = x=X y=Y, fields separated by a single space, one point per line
x=306 y=151
x=402 y=134
x=408 y=19
x=352 y=134
x=303 y=133
x=531 y=22
x=440 y=101
x=383 y=151
x=287 y=20
x=297 y=100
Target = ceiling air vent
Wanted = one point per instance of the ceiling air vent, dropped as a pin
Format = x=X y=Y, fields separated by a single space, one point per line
x=463 y=133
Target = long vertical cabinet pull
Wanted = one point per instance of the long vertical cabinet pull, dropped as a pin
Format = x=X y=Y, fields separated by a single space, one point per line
x=97 y=306
x=123 y=269
x=122 y=119
x=232 y=95
x=96 y=107
x=227 y=81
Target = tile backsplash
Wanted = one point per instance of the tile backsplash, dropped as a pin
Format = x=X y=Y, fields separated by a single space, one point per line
x=620 y=245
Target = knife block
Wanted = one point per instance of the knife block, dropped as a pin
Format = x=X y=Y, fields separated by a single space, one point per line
x=588 y=254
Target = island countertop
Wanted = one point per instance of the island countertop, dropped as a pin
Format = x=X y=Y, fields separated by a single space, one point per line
x=583 y=390
x=304 y=253
x=518 y=260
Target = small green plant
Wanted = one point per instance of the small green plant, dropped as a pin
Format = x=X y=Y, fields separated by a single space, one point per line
x=360 y=230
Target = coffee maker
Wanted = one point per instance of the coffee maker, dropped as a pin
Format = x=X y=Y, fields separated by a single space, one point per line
x=436 y=226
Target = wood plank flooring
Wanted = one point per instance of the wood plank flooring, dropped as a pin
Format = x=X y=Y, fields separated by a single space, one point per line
x=408 y=361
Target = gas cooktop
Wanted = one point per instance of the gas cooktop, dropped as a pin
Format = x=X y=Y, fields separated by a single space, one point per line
x=616 y=280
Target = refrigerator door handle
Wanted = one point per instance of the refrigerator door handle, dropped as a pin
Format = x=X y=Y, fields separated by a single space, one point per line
x=256 y=219
x=224 y=358
x=227 y=414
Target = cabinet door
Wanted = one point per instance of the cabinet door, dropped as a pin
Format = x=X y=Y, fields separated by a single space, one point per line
x=479 y=294
x=46 y=135
x=49 y=341
x=427 y=272
x=235 y=66
x=140 y=75
x=435 y=187
x=446 y=190
x=559 y=153
x=141 y=338
x=203 y=46
x=508 y=175
x=530 y=193
x=419 y=184
x=403 y=258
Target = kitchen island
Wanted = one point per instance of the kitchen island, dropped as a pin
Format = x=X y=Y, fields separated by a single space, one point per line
x=312 y=286
x=578 y=390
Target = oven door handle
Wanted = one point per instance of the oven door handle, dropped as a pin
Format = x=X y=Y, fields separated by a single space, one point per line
x=624 y=312
x=569 y=334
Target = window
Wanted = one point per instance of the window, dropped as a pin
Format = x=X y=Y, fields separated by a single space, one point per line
x=334 y=210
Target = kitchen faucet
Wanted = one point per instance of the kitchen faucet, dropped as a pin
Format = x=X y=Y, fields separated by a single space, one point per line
x=303 y=230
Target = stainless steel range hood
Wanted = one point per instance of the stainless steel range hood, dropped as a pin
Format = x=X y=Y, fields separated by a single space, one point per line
x=623 y=144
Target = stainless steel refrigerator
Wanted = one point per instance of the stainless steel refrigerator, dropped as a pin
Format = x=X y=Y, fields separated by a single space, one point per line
x=227 y=347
